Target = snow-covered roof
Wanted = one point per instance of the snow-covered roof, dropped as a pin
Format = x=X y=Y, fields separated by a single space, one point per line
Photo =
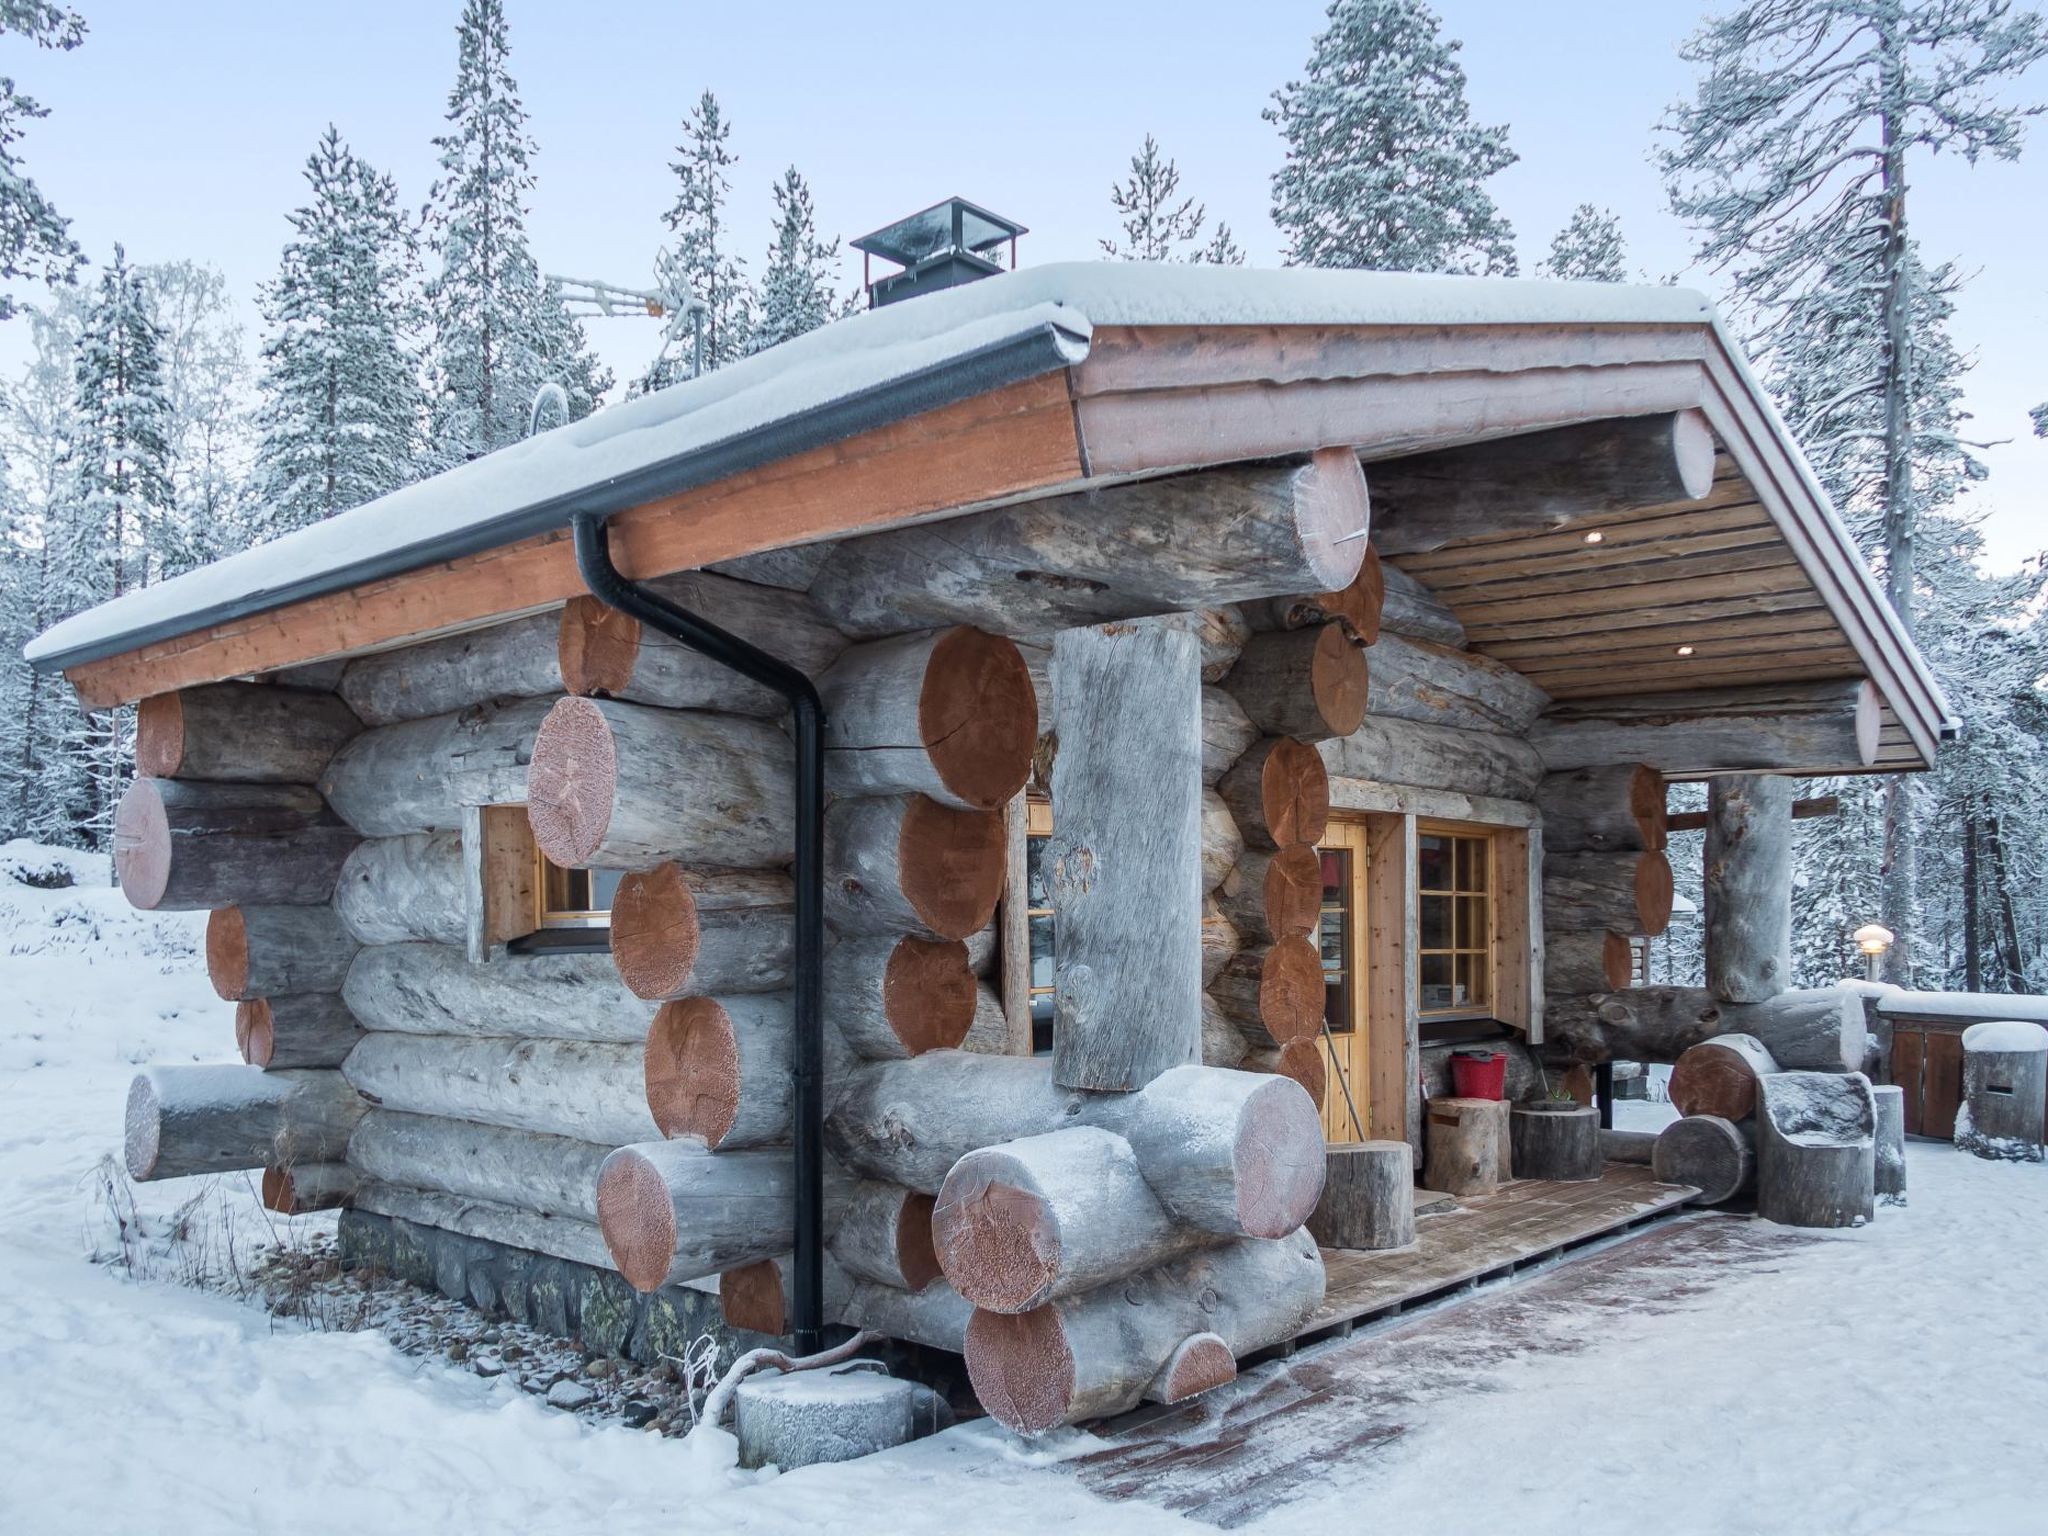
x=883 y=365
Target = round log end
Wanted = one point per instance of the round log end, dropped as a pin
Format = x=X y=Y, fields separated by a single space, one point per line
x=597 y=647
x=1021 y=1368
x=751 y=1297
x=1280 y=1158
x=637 y=1218
x=1292 y=993
x=160 y=736
x=1869 y=721
x=1617 y=960
x=1200 y=1362
x=1294 y=891
x=1332 y=514
x=227 y=953
x=255 y=1031
x=1707 y=1152
x=952 y=865
x=142 y=845
x=929 y=994
x=1653 y=893
x=655 y=931
x=997 y=1240
x=570 y=782
x=278 y=1195
x=1338 y=680
x=1359 y=604
x=1692 y=453
x=142 y=1129
x=977 y=716
x=692 y=1070
x=1646 y=802
x=917 y=1251
x=1294 y=789
x=1712 y=1079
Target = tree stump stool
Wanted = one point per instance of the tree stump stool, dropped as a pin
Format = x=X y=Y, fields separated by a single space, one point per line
x=2005 y=1090
x=1557 y=1141
x=1889 y=1173
x=1368 y=1197
x=1816 y=1149
x=1461 y=1142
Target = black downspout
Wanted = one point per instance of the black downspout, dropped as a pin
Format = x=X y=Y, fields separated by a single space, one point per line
x=1603 y=1090
x=610 y=587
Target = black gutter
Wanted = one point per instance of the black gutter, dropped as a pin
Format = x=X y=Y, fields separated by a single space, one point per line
x=1028 y=355
x=609 y=586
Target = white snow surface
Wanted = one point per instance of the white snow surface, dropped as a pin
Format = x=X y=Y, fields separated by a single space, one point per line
x=2005 y=1035
x=1872 y=1383
x=839 y=362
x=1898 y=1003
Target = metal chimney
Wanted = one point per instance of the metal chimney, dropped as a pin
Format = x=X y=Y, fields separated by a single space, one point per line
x=944 y=246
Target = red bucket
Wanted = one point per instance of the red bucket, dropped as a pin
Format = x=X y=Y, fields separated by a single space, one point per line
x=1478 y=1074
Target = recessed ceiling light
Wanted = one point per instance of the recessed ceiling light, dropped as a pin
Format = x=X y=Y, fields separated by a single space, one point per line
x=1685 y=650
x=1595 y=536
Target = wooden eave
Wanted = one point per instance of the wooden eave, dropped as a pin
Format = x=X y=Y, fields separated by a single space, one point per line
x=1759 y=577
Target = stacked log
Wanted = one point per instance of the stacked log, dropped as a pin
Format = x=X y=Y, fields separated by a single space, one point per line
x=1818 y=1030
x=185 y=1120
x=1606 y=876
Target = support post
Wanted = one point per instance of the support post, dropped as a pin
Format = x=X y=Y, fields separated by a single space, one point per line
x=1748 y=883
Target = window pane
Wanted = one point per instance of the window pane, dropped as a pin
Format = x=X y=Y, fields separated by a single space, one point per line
x=1436 y=922
x=1436 y=982
x=1336 y=864
x=1034 y=874
x=603 y=888
x=1479 y=982
x=1472 y=932
x=1041 y=952
x=1433 y=862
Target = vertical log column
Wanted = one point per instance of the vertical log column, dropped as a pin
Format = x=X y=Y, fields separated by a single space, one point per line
x=1748 y=883
x=1126 y=855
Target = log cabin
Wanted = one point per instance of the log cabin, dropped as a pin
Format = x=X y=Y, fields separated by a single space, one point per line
x=942 y=826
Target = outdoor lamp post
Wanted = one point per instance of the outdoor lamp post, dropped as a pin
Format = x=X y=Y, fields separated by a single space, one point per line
x=1873 y=939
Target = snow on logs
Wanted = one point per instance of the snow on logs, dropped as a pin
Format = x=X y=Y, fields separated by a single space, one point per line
x=1178 y=543
x=1818 y=1030
x=585 y=1090
x=248 y=733
x=307 y=1029
x=432 y=989
x=1816 y=1149
x=907 y=864
x=181 y=845
x=1720 y=1076
x=395 y=889
x=676 y=931
x=949 y=714
x=672 y=1211
x=549 y=1175
x=1168 y=1333
x=1124 y=864
x=625 y=786
x=720 y=1068
x=265 y=951
x=217 y=1119
x=609 y=654
x=417 y=776
x=1310 y=684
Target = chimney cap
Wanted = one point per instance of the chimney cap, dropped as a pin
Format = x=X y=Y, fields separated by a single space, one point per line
x=953 y=225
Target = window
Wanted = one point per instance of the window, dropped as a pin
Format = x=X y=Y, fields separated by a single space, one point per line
x=574 y=898
x=1038 y=918
x=1454 y=882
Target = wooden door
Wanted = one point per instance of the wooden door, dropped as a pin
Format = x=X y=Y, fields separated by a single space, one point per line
x=1347 y=1106
x=1909 y=1054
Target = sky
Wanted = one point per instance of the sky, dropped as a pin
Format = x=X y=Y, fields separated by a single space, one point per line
x=182 y=131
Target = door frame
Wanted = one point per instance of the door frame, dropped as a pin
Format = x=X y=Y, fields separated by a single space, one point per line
x=1384 y=1007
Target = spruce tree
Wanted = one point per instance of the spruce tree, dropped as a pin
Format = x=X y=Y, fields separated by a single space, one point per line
x=1588 y=249
x=210 y=424
x=715 y=276
x=1385 y=168
x=796 y=293
x=1158 y=223
x=35 y=240
x=342 y=411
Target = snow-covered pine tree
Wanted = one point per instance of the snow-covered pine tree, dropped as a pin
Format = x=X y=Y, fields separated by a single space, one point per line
x=211 y=427
x=342 y=409
x=1385 y=168
x=1158 y=223
x=562 y=352
x=1222 y=249
x=715 y=274
x=796 y=293
x=1588 y=249
x=1792 y=162
x=35 y=240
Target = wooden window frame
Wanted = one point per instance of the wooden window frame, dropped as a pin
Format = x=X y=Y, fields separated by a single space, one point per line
x=1488 y=948
x=548 y=876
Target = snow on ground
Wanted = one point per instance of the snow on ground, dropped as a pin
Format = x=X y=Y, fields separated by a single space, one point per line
x=1888 y=1381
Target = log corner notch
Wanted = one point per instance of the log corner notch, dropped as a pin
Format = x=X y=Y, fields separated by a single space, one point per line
x=1541 y=480
x=184 y=845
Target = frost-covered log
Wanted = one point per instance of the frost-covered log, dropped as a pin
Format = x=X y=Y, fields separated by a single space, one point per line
x=1368 y=1198
x=625 y=786
x=721 y=1068
x=898 y=996
x=1582 y=960
x=1819 y=1030
x=1082 y=1357
x=550 y=1175
x=607 y=653
x=1436 y=757
x=395 y=889
x=1785 y=727
x=245 y=733
x=432 y=989
x=1713 y=1154
x=907 y=864
x=1720 y=1076
x=1889 y=1170
x=514 y=660
x=1308 y=684
x=950 y=714
x=308 y=1187
x=205 y=1119
x=1227 y=733
x=1274 y=895
x=935 y=1317
x=1816 y=1151
x=269 y=951
x=561 y=1237
x=417 y=776
x=1747 y=875
x=303 y=1029
x=1274 y=993
x=1124 y=864
x=586 y=1090
x=1629 y=893
x=676 y=931
x=1441 y=685
x=1148 y=547
x=883 y=1232
x=186 y=847
x=1614 y=808
x=2005 y=1090
x=672 y=1211
x=1278 y=792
